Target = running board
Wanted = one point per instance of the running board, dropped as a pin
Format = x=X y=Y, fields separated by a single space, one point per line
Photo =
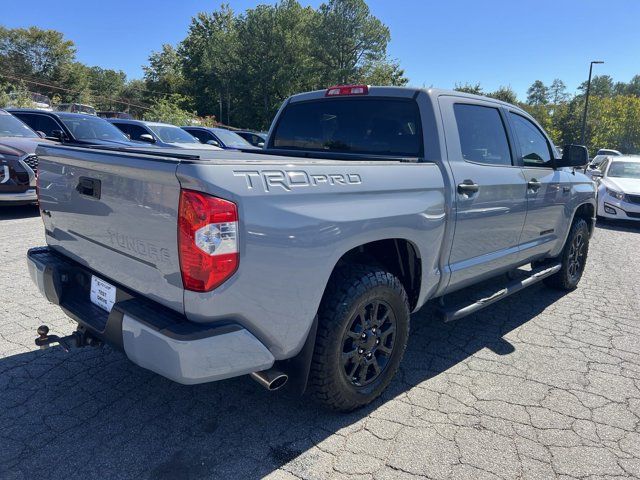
x=458 y=311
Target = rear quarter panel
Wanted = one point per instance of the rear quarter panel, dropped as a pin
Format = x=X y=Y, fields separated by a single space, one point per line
x=296 y=221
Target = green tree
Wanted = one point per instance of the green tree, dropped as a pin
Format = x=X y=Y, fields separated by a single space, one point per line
x=601 y=86
x=473 y=88
x=34 y=52
x=506 y=94
x=345 y=38
x=275 y=59
x=209 y=61
x=164 y=71
x=382 y=73
x=538 y=94
x=557 y=92
x=167 y=110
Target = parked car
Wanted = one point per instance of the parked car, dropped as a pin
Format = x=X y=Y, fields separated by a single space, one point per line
x=73 y=128
x=609 y=152
x=618 y=180
x=39 y=101
x=159 y=134
x=75 y=108
x=305 y=259
x=112 y=114
x=18 y=161
x=220 y=137
x=256 y=139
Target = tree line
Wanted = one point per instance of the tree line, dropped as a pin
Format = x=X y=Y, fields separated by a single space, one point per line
x=237 y=68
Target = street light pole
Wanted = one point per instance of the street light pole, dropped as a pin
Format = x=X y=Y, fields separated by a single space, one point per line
x=586 y=103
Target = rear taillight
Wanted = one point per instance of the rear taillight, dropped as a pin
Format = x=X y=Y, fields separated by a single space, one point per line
x=207 y=240
x=347 y=90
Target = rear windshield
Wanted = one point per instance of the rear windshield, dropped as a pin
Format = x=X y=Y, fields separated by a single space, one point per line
x=374 y=126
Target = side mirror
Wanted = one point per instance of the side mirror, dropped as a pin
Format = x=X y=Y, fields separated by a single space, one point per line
x=213 y=142
x=573 y=156
x=41 y=134
x=596 y=174
x=147 y=137
x=261 y=144
x=58 y=135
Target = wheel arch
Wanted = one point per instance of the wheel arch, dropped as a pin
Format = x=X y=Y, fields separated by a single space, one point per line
x=586 y=211
x=399 y=256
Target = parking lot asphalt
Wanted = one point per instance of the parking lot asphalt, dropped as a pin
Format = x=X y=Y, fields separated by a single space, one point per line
x=541 y=385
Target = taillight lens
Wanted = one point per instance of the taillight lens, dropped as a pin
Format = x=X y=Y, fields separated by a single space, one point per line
x=207 y=240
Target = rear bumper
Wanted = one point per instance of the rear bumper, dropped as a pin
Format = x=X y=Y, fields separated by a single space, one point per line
x=151 y=335
x=19 y=198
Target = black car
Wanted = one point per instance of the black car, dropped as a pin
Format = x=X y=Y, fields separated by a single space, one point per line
x=74 y=128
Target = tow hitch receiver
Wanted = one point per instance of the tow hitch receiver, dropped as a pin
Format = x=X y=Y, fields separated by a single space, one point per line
x=79 y=338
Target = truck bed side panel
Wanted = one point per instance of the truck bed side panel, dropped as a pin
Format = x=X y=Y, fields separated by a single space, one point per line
x=297 y=220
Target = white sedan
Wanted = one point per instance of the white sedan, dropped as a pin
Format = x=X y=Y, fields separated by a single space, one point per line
x=618 y=180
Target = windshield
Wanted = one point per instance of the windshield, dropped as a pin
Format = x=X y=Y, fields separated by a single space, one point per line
x=375 y=126
x=92 y=128
x=171 y=134
x=10 y=126
x=624 y=170
x=231 y=139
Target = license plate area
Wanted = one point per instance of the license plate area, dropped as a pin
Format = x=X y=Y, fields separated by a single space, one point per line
x=102 y=293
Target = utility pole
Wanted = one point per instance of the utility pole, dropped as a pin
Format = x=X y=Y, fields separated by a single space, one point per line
x=586 y=103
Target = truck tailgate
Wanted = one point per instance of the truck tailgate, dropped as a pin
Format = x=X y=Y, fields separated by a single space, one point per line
x=116 y=214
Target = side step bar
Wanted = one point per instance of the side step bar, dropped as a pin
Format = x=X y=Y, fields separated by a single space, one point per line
x=456 y=312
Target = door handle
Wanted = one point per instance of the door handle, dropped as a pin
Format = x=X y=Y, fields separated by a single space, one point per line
x=468 y=188
x=534 y=185
x=89 y=187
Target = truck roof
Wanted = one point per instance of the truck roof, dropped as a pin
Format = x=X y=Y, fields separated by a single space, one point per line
x=401 y=92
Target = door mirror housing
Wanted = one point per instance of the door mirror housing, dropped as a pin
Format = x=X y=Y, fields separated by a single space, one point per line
x=573 y=156
x=147 y=137
x=597 y=174
x=213 y=142
x=58 y=135
x=41 y=134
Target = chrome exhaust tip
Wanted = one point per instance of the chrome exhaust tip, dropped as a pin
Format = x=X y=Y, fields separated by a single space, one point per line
x=270 y=379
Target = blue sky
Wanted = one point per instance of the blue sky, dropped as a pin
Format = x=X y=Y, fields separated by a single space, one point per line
x=494 y=42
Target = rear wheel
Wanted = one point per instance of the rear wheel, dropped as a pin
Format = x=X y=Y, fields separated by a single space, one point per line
x=573 y=258
x=363 y=326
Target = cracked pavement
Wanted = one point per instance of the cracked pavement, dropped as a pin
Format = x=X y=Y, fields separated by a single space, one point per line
x=542 y=385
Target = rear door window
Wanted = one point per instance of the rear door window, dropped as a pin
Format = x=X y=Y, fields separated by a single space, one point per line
x=40 y=123
x=483 y=138
x=202 y=135
x=123 y=127
x=374 y=126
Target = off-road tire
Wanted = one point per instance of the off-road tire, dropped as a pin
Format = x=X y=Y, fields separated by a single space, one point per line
x=567 y=278
x=352 y=289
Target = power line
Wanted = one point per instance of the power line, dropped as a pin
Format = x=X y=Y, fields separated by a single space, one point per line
x=153 y=92
x=48 y=85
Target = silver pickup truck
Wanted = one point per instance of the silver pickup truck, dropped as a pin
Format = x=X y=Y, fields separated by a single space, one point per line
x=303 y=261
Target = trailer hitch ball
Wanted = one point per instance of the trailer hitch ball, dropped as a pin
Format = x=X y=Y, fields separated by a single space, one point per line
x=43 y=331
